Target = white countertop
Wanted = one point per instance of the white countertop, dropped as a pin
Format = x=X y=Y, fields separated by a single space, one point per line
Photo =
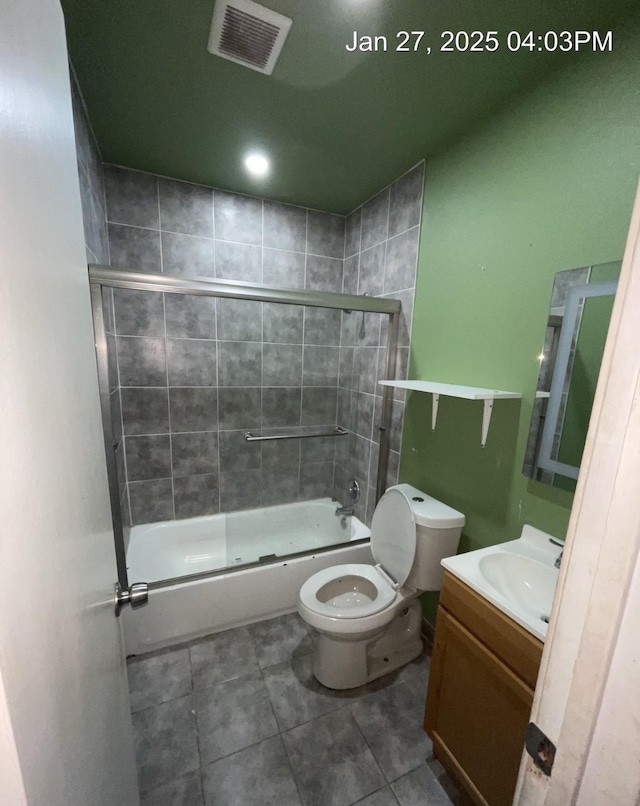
x=518 y=577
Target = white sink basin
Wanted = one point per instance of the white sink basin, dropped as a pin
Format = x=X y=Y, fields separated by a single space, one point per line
x=519 y=577
x=527 y=583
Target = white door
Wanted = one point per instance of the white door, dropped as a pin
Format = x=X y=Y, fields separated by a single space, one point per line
x=65 y=729
x=586 y=700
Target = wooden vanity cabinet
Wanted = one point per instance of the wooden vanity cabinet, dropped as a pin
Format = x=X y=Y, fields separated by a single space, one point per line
x=483 y=675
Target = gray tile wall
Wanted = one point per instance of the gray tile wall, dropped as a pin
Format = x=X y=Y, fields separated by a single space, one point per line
x=115 y=398
x=381 y=254
x=188 y=375
x=94 y=218
x=195 y=373
x=90 y=175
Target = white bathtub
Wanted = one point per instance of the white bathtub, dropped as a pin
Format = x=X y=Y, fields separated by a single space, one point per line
x=185 y=610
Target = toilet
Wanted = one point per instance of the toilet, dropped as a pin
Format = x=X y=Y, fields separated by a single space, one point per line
x=368 y=617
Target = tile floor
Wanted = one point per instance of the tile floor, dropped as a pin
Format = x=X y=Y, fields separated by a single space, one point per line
x=237 y=719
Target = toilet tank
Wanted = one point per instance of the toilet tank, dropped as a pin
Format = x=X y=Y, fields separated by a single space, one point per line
x=438 y=530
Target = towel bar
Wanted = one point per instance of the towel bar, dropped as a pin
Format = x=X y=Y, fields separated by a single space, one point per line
x=338 y=431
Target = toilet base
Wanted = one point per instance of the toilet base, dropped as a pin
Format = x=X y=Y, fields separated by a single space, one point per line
x=344 y=662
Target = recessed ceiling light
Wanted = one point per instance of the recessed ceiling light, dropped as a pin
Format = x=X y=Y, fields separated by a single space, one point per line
x=257 y=164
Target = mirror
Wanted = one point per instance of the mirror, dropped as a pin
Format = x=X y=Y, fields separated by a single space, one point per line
x=577 y=325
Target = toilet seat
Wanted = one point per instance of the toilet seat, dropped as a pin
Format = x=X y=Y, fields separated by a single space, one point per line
x=353 y=618
x=361 y=604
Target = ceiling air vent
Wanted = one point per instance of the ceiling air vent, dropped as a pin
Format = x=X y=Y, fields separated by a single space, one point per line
x=247 y=33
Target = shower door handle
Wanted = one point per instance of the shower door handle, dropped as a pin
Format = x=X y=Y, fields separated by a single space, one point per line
x=136 y=595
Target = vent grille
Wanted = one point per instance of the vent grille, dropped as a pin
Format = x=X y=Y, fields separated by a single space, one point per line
x=247 y=38
x=248 y=33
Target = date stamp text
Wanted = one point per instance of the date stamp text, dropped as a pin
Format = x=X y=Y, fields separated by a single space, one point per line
x=483 y=42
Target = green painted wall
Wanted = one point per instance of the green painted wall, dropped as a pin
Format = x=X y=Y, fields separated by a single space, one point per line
x=547 y=185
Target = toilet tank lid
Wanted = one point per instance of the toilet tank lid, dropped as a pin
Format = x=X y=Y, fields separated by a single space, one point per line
x=428 y=511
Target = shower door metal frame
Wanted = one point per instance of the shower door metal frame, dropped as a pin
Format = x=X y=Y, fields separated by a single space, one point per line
x=102 y=361
x=106 y=277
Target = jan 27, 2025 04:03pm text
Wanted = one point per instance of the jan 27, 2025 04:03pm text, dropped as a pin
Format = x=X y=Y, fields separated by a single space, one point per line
x=483 y=42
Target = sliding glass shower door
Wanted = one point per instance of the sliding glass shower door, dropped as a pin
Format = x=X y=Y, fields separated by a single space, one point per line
x=245 y=402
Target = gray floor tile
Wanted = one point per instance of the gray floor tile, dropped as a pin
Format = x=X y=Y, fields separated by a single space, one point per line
x=391 y=721
x=222 y=657
x=444 y=780
x=416 y=675
x=159 y=678
x=258 y=776
x=383 y=797
x=243 y=761
x=280 y=639
x=232 y=716
x=166 y=742
x=420 y=788
x=435 y=766
x=361 y=692
x=185 y=791
x=331 y=761
x=296 y=695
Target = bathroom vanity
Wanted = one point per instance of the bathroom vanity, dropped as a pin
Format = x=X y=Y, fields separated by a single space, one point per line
x=485 y=664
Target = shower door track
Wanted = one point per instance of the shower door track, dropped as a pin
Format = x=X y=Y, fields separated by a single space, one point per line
x=273 y=560
x=106 y=277
x=236 y=289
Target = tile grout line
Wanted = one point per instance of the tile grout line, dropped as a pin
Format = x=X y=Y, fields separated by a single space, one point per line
x=356 y=393
x=337 y=407
x=293 y=773
x=173 y=491
x=228 y=341
x=304 y=323
x=124 y=440
x=261 y=347
x=216 y=309
x=340 y=354
x=353 y=401
x=413 y=299
x=223 y=682
x=387 y=785
x=166 y=478
x=388 y=781
x=166 y=359
x=239 y=430
x=106 y=211
x=397 y=179
x=384 y=280
x=227 y=240
x=214 y=190
x=195 y=709
x=280 y=731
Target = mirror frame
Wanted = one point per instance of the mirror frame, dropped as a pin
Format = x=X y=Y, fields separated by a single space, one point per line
x=557 y=357
x=561 y=369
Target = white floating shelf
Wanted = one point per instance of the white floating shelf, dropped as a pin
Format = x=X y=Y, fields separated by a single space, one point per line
x=453 y=390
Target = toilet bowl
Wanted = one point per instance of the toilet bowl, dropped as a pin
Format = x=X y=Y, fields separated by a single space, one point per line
x=367 y=617
x=348 y=599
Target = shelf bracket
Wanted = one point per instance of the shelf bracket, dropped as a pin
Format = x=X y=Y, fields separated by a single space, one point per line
x=434 y=410
x=486 y=419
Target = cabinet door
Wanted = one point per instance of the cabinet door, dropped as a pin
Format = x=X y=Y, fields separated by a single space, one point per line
x=477 y=713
